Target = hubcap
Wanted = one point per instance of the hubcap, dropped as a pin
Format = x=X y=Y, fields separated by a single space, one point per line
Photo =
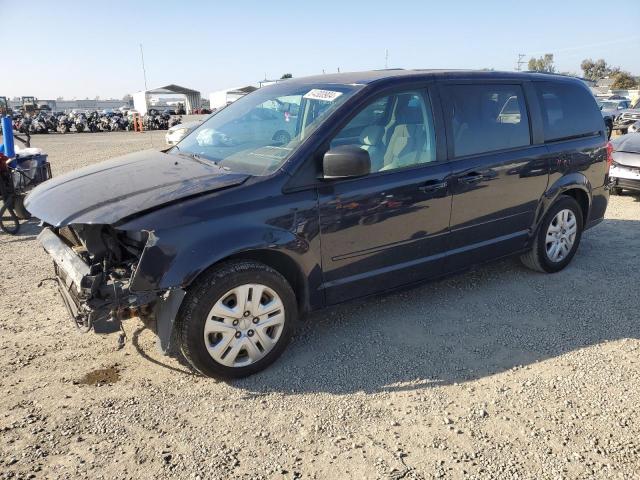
x=244 y=325
x=561 y=235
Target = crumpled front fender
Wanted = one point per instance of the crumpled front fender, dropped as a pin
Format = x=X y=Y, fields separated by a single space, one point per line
x=175 y=258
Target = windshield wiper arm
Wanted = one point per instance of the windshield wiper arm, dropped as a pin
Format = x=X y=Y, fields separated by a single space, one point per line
x=199 y=158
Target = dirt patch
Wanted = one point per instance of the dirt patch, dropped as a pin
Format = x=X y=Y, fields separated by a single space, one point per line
x=101 y=376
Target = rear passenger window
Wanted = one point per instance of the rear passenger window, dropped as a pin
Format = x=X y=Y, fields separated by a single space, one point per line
x=568 y=111
x=487 y=118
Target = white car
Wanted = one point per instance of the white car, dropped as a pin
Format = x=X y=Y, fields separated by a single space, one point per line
x=625 y=169
x=178 y=132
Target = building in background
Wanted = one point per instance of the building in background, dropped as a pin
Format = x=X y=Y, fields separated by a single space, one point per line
x=222 y=98
x=142 y=99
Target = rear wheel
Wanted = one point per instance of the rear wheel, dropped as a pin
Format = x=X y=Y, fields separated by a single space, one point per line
x=557 y=238
x=236 y=320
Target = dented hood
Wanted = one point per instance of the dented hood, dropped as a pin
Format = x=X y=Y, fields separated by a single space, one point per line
x=108 y=192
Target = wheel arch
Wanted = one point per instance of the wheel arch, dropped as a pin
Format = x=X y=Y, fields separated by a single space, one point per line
x=167 y=309
x=281 y=263
x=575 y=185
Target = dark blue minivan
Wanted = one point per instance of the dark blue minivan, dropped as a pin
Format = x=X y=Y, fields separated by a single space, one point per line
x=369 y=182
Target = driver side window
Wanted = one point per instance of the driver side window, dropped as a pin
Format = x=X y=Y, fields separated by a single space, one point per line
x=396 y=130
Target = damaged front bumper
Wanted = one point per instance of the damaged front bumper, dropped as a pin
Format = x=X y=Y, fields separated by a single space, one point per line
x=91 y=295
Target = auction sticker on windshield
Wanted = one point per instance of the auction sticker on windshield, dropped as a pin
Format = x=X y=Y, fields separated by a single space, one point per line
x=325 y=95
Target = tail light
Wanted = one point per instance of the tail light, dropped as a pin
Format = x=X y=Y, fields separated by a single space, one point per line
x=609 y=155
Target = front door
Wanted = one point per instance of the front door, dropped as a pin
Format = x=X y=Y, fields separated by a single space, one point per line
x=390 y=227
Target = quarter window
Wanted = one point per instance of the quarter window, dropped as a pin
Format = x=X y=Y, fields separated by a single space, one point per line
x=397 y=130
x=487 y=118
x=568 y=111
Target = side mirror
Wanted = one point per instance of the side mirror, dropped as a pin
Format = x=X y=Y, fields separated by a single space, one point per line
x=346 y=161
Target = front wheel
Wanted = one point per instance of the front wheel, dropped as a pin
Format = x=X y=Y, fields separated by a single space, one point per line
x=9 y=222
x=557 y=238
x=616 y=191
x=236 y=320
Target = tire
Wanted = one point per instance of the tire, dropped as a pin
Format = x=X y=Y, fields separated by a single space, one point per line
x=18 y=207
x=200 y=332
x=616 y=191
x=9 y=222
x=539 y=258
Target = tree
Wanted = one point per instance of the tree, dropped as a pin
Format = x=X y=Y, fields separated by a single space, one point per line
x=542 y=64
x=623 y=81
x=598 y=69
x=286 y=75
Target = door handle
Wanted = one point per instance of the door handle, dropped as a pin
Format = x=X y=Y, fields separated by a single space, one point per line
x=433 y=187
x=471 y=178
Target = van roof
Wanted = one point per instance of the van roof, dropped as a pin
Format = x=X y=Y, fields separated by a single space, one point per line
x=371 y=76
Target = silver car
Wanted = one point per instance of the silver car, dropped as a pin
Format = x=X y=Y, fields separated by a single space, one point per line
x=625 y=169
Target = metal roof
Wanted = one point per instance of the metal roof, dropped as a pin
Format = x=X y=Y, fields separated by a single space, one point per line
x=171 y=89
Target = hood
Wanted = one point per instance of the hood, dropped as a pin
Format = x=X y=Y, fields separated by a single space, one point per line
x=108 y=192
x=627 y=143
x=627 y=150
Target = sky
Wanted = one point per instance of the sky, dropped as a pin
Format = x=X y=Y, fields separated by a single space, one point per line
x=79 y=49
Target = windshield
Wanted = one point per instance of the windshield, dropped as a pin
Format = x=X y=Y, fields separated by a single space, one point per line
x=258 y=132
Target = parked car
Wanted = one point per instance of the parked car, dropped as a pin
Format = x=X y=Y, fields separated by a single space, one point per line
x=611 y=109
x=627 y=117
x=625 y=169
x=178 y=132
x=390 y=178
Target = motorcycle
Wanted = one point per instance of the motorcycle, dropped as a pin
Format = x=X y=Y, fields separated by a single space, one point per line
x=80 y=123
x=64 y=124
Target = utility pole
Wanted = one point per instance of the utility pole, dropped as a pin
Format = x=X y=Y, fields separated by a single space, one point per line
x=386 y=59
x=144 y=71
x=520 y=61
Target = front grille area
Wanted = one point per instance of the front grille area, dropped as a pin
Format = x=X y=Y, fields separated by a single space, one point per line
x=69 y=236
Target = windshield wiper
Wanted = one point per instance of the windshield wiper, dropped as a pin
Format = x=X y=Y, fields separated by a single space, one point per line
x=199 y=158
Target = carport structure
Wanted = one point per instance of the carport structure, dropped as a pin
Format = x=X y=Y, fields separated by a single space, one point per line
x=191 y=97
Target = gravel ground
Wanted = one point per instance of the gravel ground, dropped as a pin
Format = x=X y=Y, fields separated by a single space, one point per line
x=498 y=373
